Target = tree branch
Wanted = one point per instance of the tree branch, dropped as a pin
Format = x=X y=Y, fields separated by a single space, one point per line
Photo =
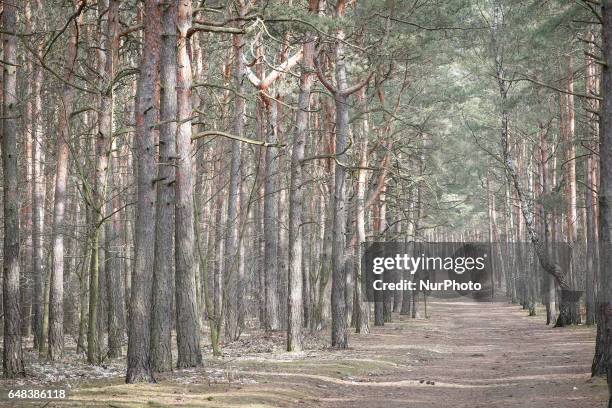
x=352 y=89
x=234 y=137
x=326 y=83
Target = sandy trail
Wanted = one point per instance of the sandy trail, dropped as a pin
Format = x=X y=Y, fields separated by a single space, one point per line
x=486 y=355
x=467 y=354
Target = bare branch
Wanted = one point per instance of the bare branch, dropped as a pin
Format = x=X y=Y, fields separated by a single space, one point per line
x=326 y=83
x=234 y=137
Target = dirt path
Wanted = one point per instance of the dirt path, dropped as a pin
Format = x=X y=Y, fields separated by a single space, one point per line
x=477 y=355
x=465 y=355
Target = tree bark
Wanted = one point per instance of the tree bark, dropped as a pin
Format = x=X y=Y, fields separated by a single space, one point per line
x=147 y=107
x=339 y=324
x=187 y=322
x=570 y=187
x=161 y=320
x=12 y=354
x=38 y=201
x=295 y=305
x=56 y=294
x=549 y=283
x=362 y=306
x=231 y=243
x=605 y=192
x=270 y=219
x=592 y=88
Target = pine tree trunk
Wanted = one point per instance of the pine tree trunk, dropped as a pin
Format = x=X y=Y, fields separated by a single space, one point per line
x=147 y=116
x=56 y=294
x=161 y=319
x=549 y=283
x=12 y=354
x=26 y=277
x=362 y=306
x=114 y=283
x=570 y=188
x=339 y=334
x=229 y=260
x=592 y=88
x=93 y=345
x=38 y=204
x=605 y=192
x=379 y=319
x=387 y=301
x=295 y=295
x=270 y=218
x=187 y=322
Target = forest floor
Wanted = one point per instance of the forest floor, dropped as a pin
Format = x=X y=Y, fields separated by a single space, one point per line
x=466 y=354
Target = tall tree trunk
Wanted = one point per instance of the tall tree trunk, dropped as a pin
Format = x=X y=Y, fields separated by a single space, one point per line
x=549 y=282
x=295 y=305
x=339 y=334
x=161 y=320
x=231 y=243
x=114 y=283
x=387 y=301
x=38 y=201
x=107 y=10
x=113 y=271
x=270 y=217
x=605 y=192
x=12 y=354
x=147 y=115
x=83 y=292
x=377 y=211
x=187 y=322
x=362 y=306
x=570 y=186
x=418 y=216
x=56 y=295
x=28 y=125
x=592 y=88
x=93 y=343
x=598 y=276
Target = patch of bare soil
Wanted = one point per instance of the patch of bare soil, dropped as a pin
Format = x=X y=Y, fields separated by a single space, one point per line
x=466 y=354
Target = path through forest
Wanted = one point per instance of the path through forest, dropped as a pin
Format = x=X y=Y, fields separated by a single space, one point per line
x=465 y=355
